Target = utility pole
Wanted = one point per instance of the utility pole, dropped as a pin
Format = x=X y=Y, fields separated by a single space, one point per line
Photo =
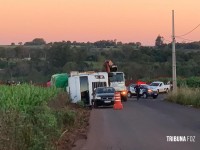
x=173 y=56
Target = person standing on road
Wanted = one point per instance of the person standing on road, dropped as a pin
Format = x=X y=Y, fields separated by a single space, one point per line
x=137 y=90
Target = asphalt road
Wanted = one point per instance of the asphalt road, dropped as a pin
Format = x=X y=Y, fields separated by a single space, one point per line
x=144 y=125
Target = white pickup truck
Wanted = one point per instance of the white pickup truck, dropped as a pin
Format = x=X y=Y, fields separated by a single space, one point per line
x=160 y=86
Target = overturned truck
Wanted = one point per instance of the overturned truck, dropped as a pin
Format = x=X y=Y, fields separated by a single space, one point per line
x=81 y=86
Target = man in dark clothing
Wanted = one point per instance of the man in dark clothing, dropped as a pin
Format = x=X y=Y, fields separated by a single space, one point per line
x=137 y=90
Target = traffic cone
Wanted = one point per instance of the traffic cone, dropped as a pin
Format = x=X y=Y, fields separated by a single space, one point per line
x=117 y=105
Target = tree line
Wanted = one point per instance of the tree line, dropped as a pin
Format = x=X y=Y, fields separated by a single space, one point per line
x=38 y=62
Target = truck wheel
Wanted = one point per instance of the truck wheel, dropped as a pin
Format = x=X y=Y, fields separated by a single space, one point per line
x=124 y=99
x=167 y=90
x=158 y=91
x=145 y=95
x=129 y=95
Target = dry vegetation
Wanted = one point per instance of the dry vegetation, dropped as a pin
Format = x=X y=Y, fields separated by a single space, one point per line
x=186 y=96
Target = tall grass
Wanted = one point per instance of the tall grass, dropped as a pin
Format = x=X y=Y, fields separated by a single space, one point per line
x=26 y=121
x=22 y=97
x=186 y=96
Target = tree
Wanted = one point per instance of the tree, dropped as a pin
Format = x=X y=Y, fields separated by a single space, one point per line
x=159 y=41
x=21 y=52
x=39 y=41
x=58 y=54
x=119 y=43
x=20 y=43
x=69 y=42
x=138 y=44
x=36 y=41
x=2 y=52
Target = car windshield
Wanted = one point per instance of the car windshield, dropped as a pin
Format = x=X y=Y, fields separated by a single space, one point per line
x=105 y=90
x=154 y=84
x=133 y=85
x=144 y=86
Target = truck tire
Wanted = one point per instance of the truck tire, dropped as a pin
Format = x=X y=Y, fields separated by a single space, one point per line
x=124 y=98
x=167 y=90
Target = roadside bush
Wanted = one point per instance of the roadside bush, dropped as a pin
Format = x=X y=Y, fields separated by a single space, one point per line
x=186 y=96
x=81 y=103
x=181 y=82
x=69 y=117
x=193 y=82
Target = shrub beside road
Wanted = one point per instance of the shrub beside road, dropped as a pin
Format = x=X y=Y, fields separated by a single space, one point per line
x=186 y=96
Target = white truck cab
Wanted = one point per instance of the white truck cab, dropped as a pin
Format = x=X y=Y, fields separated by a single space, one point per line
x=117 y=81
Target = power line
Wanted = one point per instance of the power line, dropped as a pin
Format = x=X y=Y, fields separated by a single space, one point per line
x=167 y=40
x=189 y=31
x=185 y=39
x=178 y=37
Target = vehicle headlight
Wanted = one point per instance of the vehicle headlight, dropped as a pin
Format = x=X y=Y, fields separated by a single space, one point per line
x=97 y=97
x=123 y=92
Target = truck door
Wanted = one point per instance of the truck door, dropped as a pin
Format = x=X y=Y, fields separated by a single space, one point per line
x=132 y=89
x=161 y=87
x=84 y=87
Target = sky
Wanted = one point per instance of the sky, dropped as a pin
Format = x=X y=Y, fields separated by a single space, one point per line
x=93 y=20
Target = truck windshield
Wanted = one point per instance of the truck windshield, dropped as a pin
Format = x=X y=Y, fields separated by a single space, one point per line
x=117 y=77
x=154 y=84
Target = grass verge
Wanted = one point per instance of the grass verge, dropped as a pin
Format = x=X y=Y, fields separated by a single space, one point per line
x=186 y=96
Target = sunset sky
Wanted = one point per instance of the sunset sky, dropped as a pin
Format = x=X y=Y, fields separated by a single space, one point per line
x=92 y=20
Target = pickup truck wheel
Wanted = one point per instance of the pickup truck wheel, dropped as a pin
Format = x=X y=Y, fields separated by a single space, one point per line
x=158 y=91
x=167 y=90
x=145 y=95
x=129 y=95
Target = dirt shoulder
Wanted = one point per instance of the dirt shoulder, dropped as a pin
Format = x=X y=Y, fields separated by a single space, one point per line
x=78 y=131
